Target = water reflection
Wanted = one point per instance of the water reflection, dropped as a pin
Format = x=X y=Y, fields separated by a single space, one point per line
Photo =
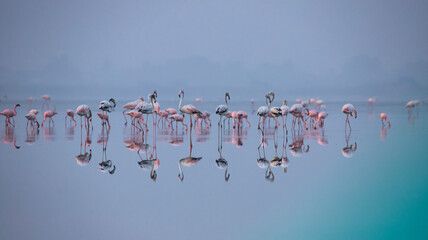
x=262 y=162
x=221 y=162
x=151 y=162
x=9 y=136
x=32 y=135
x=298 y=147
x=236 y=136
x=84 y=157
x=187 y=161
x=383 y=132
x=49 y=133
x=348 y=150
x=105 y=165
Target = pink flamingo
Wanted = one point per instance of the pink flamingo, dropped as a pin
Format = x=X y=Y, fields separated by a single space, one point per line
x=188 y=109
x=383 y=118
x=234 y=118
x=206 y=116
x=320 y=121
x=241 y=115
x=312 y=116
x=349 y=109
x=284 y=110
x=70 y=113
x=49 y=114
x=163 y=114
x=171 y=111
x=297 y=111
x=135 y=114
x=46 y=100
x=130 y=106
x=177 y=118
x=32 y=119
x=104 y=117
x=10 y=114
x=84 y=111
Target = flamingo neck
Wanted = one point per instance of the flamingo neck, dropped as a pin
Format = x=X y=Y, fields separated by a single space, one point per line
x=181 y=99
x=14 y=109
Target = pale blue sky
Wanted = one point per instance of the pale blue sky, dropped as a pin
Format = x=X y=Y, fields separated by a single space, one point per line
x=285 y=44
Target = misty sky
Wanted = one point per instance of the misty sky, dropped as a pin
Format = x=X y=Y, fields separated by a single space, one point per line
x=302 y=48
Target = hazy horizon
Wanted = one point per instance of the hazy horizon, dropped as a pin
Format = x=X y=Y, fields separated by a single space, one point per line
x=334 y=50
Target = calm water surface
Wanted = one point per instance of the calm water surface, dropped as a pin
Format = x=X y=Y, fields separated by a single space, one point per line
x=378 y=191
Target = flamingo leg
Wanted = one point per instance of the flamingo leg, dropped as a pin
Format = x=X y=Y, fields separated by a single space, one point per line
x=126 y=121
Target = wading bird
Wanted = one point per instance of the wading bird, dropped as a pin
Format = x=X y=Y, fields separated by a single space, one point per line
x=383 y=118
x=222 y=109
x=49 y=114
x=188 y=109
x=349 y=109
x=10 y=114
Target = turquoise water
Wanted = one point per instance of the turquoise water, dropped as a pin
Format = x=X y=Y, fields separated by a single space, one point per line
x=379 y=193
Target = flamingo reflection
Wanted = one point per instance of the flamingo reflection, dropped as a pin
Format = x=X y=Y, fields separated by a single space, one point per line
x=84 y=157
x=298 y=146
x=221 y=162
x=105 y=165
x=262 y=162
x=349 y=150
x=187 y=161
x=9 y=136
x=32 y=135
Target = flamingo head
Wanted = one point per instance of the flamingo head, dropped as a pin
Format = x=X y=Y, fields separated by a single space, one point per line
x=113 y=101
x=155 y=93
x=355 y=112
x=272 y=94
x=227 y=95
x=284 y=103
x=181 y=92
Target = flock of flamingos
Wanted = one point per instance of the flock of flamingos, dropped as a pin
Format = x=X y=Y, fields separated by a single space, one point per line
x=138 y=108
x=307 y=114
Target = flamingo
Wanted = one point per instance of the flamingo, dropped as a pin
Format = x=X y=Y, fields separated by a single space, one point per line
x=320 y=121
x=49 y=114
x=130 y=106
x=274 y=111
x=10 y=114
x=188 y=109
x=312 y=115
x=349 y=109
x=284 y=110
x=222 y=109
x=135 y=114
x=32 y=118
x=163 y=114
x=104 y=117
x=297 y=111
x=107 y=106
x=171 y=111
x=70 y=113
x=241 y=115
x=383 y=118
x=177 y=118
x=84 y=111
x=148 y=108
x=410 y=105
x=46 y=100
x=263 y=111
